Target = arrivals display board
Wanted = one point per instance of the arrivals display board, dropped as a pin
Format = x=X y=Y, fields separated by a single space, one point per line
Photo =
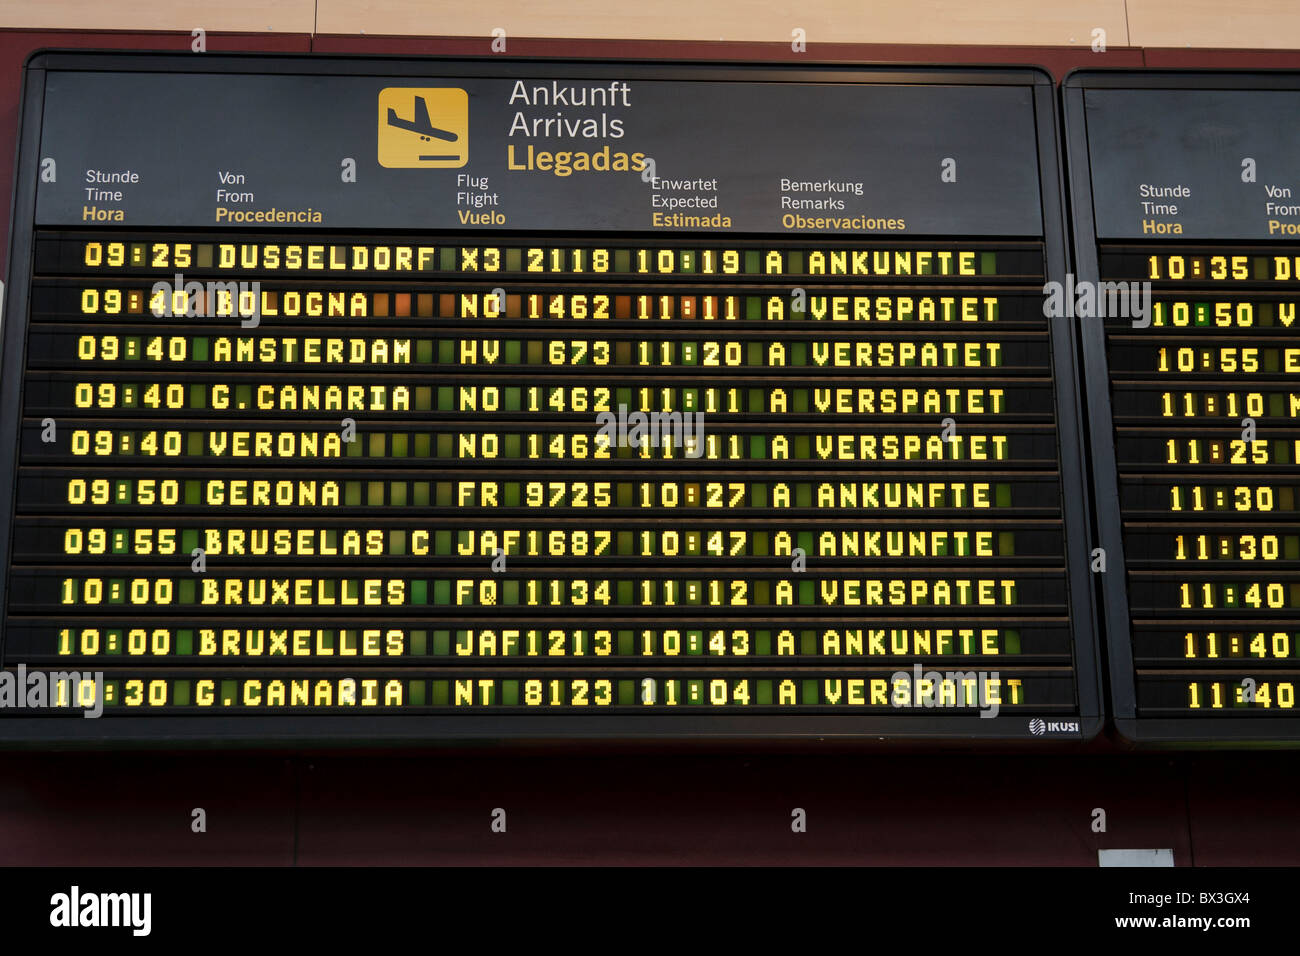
x=1187 y=244
x=373 y=400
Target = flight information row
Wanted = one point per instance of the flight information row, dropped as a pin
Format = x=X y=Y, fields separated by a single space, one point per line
x=1007 y=541
x=1018 y=542
x=859 y=690
x=674 y=436
x=62 y=490
x=1258 y=590
x=509 y=397
x=928 y=692
x=65 y=254
x=500 y=396
x=1205 y=311
x=1032 y=591
x=105 y=640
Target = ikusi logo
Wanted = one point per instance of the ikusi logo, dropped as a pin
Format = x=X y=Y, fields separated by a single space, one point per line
x=76 y=909
x=1038 y=727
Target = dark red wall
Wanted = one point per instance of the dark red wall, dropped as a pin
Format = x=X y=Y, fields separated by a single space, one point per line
x=882 y=807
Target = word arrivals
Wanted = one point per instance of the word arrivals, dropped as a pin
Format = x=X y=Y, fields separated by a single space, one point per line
x=75 y=909
x=655 y=429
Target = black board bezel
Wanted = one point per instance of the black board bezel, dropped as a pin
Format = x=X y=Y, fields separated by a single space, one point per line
x=406 y=731
x=1113 y=611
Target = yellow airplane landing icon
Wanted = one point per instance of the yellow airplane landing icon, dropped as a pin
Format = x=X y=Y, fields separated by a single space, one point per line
x=423 y=128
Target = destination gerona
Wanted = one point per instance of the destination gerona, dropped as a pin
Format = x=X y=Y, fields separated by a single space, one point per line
x=567 y=162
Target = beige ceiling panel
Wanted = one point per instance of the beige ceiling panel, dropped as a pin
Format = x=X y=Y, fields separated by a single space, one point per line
x=1236 y=24
x=1002 y=22
x=215 y=16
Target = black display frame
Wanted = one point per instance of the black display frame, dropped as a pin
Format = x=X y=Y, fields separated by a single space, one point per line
x=406 y=731
x=1113 y=614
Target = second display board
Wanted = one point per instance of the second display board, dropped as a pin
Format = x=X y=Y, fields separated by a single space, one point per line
x=1187 y=243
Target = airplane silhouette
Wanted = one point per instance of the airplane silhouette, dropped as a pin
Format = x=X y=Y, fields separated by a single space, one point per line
x=420 y=123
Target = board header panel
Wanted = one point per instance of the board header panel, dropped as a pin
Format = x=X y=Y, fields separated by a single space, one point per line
x=1189 y=163
x=541 y=147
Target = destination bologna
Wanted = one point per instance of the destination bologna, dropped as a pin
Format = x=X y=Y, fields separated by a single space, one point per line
x=267 y=215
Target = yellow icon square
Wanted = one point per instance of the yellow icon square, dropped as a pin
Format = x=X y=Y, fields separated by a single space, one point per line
x=423 y=128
